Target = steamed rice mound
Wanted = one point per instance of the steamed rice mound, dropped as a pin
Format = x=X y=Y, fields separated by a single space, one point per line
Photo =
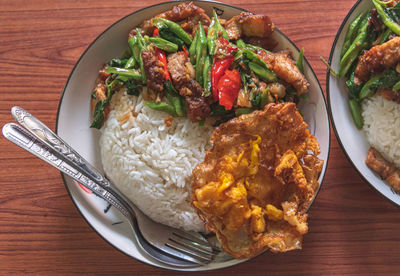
x=382 y=127
x=151 y=163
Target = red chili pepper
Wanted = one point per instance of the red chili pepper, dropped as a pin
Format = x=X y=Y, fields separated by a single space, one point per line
x=228 y=88
x=162 y=57
x=184 y=49
x=218 y=70
x=228 y=48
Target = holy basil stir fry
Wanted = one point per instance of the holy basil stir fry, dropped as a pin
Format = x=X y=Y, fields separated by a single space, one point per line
x=187 y=64
x=370 y=56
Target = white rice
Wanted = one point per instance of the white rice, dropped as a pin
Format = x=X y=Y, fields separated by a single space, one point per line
x=151 y=163
x=382 y=127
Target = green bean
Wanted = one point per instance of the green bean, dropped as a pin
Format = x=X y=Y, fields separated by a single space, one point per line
x=201 y=51
x=193 y=47
x=212 y=35
x=130 y=73
x=207 y=77
x=174 y=98
x=134 y=47
x=240 y=44
x=219 y=27
x=396 y=87
x=130 y=63
x=264 y=98
x=354 y=50
x=299 y=62
x=386 y=18
x=264 y=73
x=356 y=113
x=166 y=34
x=386 y=35
x=176 y=29
x=243 y=110
x=351 y=33
x=162 y=106
x=140 y=48
x=164 y=44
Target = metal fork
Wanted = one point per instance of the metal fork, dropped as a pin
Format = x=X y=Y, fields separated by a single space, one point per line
x=163 y=243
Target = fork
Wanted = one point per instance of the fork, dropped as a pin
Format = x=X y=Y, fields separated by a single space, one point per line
x=163 y=243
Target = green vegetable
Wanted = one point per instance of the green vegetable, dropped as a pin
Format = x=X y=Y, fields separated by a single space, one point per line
x=386 y=35
x=193 y=48
x=265 y=74
x=174 y=98
x=219 y=27
x=240 y=44
x=386 y=19
x=164 y=44
x=201 y=51
x=354 y=89
x=356 y=113
x=140 y=48
x=264 y=98
x=133 y=45
x=243 y=110
x=207 y=77
x=351 y=33
x=262 y=68
x=130 y=73
x=98 y=115
x=130 y=63
x=166 y=34
x=386 y=79
x=176 y=29
x=355 y=48
x=212 y=35
x=396 y=87
x=162 y=106
x=299 y=62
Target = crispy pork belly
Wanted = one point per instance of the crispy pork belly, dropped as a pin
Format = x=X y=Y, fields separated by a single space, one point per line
x=180 y=68
x=389 y=95
x=187 y=14
x=285 y=68
x=249 y=25
x=385 y=169
x=378 y=58
x=154 y=71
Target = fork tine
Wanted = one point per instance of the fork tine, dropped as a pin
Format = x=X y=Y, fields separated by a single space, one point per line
x=197 y=238
x=192 y=244
x=205 y=258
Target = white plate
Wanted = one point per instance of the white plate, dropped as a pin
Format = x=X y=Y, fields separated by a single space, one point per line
x=352 y=140
x=73 y=122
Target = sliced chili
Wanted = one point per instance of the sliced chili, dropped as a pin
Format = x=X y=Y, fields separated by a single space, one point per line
x=228 y=88
x=218 y=70
x=162 y=57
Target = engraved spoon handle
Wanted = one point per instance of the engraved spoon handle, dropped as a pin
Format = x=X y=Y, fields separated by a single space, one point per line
x=21 y=137
x=48 y=137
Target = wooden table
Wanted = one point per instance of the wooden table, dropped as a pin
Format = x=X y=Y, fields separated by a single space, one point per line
x=353 y=230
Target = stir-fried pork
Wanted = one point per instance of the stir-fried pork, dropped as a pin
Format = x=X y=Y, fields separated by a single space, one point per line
x=249 y=25
x=180 y=68
x=285 y=68
x=378 y=58
x=387 y=171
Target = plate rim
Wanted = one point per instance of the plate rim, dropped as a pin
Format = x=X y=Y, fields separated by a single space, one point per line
x=98 y=37
x=328 y=95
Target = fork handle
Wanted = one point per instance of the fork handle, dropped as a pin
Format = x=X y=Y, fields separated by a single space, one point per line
x=21 y=137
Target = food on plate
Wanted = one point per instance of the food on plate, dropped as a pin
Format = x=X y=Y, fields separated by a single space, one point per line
x=370 y=60
x=185 y=74
x=255 y=185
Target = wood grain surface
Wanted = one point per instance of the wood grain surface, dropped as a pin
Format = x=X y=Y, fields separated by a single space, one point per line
x=353 y=230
